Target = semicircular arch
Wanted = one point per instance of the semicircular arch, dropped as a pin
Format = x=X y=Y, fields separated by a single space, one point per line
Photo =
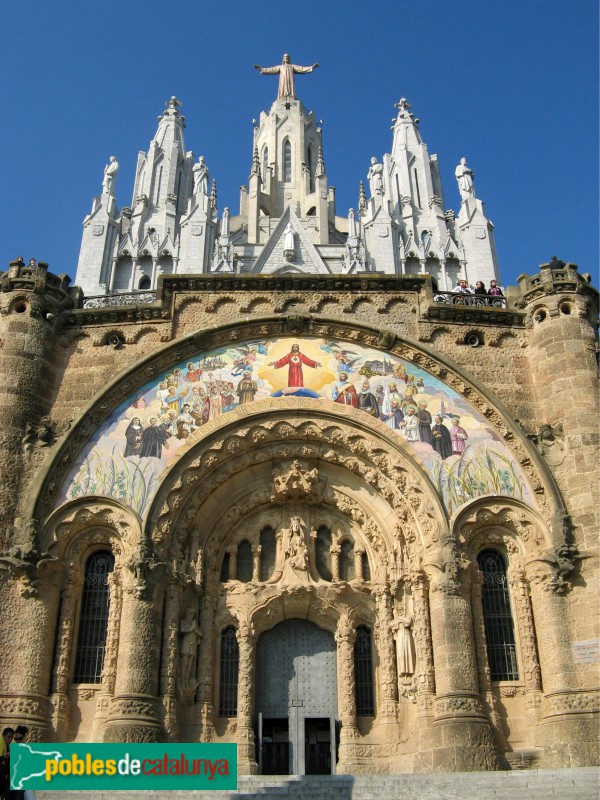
x=490 y=411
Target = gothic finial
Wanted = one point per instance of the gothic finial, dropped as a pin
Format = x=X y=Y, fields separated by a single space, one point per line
x=255 y=164
x=213 y=193
x=362 y=197
x=320 y=168
x=173 y=104
x=403 y=104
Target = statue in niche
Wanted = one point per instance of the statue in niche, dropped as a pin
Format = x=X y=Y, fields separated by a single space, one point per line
x=405 y=645
x=289 y=247
x=191 y=635
x=110 y=176
x=375 y=176
x=464 y=176
x=295 y=552
x=200 y=172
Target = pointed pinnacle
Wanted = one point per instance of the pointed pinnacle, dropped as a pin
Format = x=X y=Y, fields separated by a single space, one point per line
x=255 y=163
x=320 y=167
x=362 y=197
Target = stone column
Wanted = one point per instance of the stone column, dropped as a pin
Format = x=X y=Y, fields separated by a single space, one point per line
x=256 y=551
x=484 y=674
x=532 y=675
x=423 y=650
x=335 y=551
x=386 y=651
x=168 y=667
x=29 y=597
x=246 y=637
x=232 y=562
x=62 y=659
x=462 y=736
x=358 y=564
x=111 y=652
x=206 y=666
x=567 y=730
x=345 y=636
x=135 y=711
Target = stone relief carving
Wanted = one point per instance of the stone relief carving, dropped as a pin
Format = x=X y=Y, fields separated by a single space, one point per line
x=296 y=483
x=188 y=650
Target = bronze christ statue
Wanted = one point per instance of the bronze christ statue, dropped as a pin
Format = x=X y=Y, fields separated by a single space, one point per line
x=286 y=71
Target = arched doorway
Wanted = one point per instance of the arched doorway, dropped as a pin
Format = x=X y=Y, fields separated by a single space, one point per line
x=296 y=699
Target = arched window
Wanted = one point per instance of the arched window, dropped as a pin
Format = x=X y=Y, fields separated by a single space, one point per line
x=267 y=553
x=346 y=561
x=144 y=282
x=287 y=161
x=244 y=562
x=363 y=673
x=323 y=552
x=228 y=673
x=93 y=619
x=366 y=567
x=224 y=577
x=311 y=170
x=265 y=163
x=497 y=617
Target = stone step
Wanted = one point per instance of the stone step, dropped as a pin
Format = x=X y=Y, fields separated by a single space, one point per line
x=567 y=784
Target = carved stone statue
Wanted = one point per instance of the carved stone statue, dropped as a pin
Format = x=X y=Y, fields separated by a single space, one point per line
x=405 y=645
x=296 y=551
x=351 y=224
x=110 y=176
x=375 y=176
x=201 y=177
x=464 y=176
x=286 y=71
x=191 y=635
x=225 y=222
x=288 y=243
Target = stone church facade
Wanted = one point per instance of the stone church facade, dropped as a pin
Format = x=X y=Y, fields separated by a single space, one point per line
x=267 y=480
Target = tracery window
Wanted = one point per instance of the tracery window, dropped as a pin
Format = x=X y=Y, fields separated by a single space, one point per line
x=267 y=553
x=323 y=552
x=364 y=693
x=497 y=617
x=93 y=618
x=346 y=561
x=265 y=163
x=228 y=673
x=287 y=161
x=244 y=562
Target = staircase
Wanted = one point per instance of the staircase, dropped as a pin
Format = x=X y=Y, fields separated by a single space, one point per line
x=566 y=784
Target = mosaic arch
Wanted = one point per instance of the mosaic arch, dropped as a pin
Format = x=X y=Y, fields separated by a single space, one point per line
x=129 y=453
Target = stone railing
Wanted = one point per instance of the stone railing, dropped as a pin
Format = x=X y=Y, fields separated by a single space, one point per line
x=125 y=299
x=459 y=299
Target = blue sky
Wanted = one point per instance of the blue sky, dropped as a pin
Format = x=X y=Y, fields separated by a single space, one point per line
x=511 y=86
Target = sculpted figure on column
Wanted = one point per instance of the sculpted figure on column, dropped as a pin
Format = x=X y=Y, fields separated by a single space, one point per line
x=405 y=646
x=110 y=176
x=375 y=176
x=200 y=171
x=191 y=635
x=286 y=71
x=464 y=176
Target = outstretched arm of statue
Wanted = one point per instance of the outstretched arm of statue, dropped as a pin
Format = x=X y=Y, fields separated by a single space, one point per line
x=267 y=70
